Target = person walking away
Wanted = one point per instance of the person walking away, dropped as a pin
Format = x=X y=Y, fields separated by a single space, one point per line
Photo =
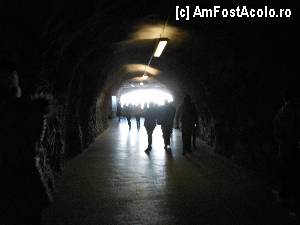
x=287 y=134
x=167 y=118
x=149 y=123
x=127 y=114
x=138 y=114
x=119 y=111
x=24 y=192
x=187 y=115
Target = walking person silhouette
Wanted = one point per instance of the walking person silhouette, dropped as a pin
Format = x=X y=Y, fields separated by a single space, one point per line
x=150 y=123
x=187 y=115
x=167 y=114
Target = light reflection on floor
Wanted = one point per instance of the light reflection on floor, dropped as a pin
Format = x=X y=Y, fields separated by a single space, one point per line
x=116 y=182
x=152 y=166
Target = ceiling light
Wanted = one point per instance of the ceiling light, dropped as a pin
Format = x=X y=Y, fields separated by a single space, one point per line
x=162 y=42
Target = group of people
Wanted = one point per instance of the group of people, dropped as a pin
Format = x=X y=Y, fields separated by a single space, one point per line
x=129 y=111
x=164 y=116
x=186 y=116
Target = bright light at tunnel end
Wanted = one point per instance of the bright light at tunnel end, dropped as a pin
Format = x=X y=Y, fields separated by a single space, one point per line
x=146 y=96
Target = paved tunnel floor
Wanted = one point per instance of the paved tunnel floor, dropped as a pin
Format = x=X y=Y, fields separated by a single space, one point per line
x=115 y=182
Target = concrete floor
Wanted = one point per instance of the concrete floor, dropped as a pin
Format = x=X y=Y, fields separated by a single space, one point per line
x=115 y=182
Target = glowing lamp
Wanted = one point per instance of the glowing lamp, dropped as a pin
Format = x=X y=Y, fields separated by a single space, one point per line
x=162 y=42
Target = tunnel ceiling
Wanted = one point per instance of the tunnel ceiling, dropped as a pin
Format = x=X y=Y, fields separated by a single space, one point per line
x=101 y=39
x=104 y=36
x=139 y=83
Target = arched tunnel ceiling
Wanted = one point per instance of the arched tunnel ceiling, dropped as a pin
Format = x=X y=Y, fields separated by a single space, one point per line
x=128 y=42
x=131 y=56
x=140 y=83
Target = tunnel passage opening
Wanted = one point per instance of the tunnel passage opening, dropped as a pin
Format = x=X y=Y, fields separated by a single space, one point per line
x=145 y=97
x=141 y=94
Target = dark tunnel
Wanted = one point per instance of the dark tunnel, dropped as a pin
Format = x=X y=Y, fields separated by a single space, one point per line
x=71 y=57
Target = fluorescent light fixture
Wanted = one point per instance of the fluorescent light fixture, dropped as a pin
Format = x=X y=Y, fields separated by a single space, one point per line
x=162 y=42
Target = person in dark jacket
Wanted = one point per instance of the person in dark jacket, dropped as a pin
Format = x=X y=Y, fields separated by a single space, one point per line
x=119 y=111
x=23 y=192
x=150 y=123
x=187 y=115
x=138 y=114
x=128 y=114
x=166 y=120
